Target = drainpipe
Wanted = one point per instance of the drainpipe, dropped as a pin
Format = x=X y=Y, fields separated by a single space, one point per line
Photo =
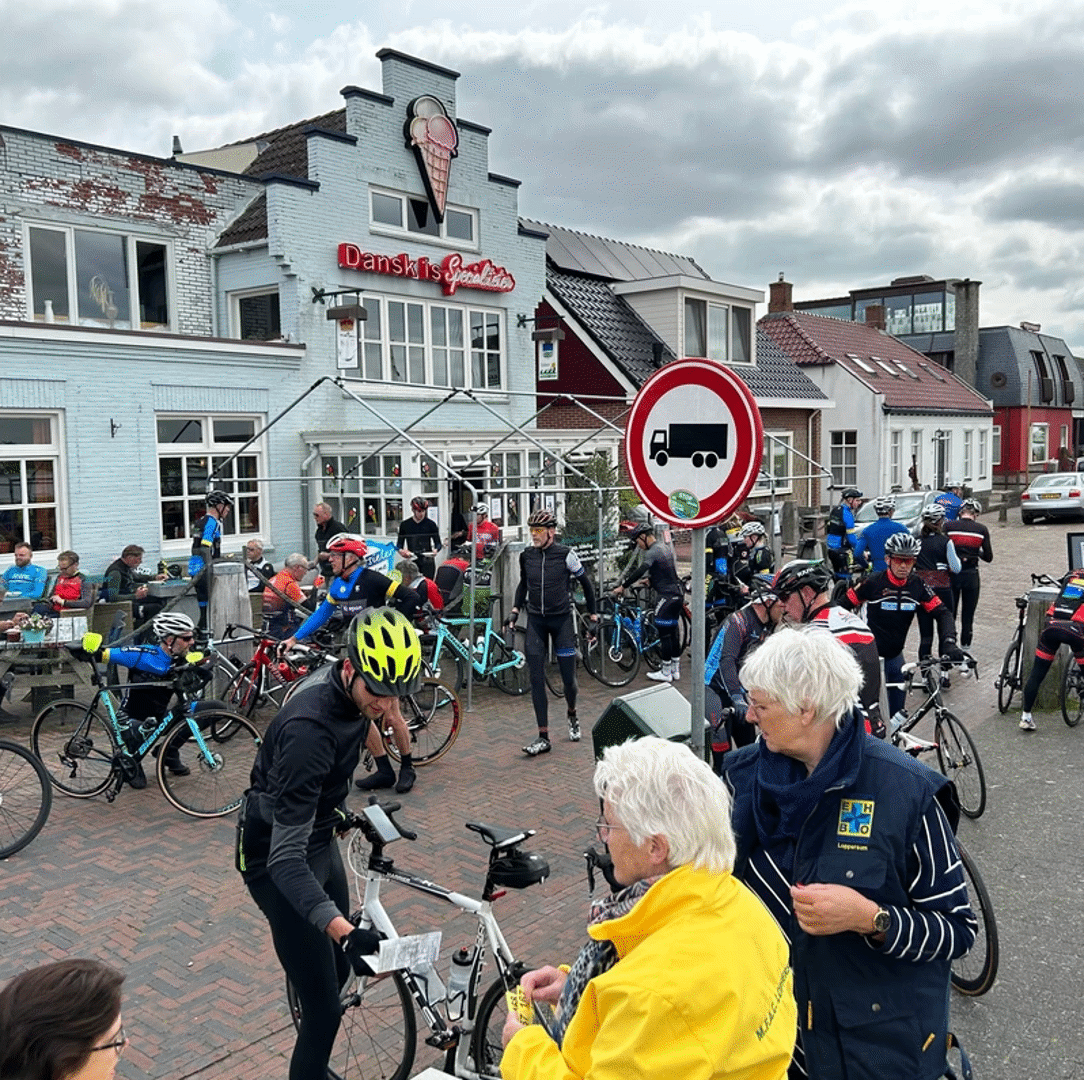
x=306 y=491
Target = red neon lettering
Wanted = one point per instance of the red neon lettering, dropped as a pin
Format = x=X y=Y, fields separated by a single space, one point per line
x=451 y=273
x=349 y=256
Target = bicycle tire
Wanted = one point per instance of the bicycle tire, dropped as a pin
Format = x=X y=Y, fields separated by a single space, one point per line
x=614 y=659
x=485 y=1040
x=26 y=797
x=76 y=746
x=958 y=759
x=432 y=717
x=1009 y=678
x=513 y=681
x=449 y=660
x=1072 y=694
x=552 y=672
x=209 y=791
x=968 y=976
x=244 y=691
x=378 y=1033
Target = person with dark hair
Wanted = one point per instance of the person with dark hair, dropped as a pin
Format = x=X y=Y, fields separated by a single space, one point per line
x=972 y=542
x=124 y=581
x=327 y=526
x=295 y=804
x=72 y=590
x=842 y=532
x=62 y=1021
x=419 y=537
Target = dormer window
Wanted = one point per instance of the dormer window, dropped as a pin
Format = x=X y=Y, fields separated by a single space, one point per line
x=717 y=331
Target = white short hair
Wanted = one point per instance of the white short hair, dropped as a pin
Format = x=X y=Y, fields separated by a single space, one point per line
x=296 y=559
x=803 y=668
x=660 y=788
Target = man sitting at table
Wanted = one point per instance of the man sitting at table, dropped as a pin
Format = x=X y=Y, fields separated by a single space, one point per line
x=123 y=581
x=72 y=592
x=24 y=580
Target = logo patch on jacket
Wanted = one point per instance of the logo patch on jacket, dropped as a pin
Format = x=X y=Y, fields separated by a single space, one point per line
x=855 y=817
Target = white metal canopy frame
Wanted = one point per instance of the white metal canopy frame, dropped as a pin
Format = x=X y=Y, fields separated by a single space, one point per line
x=477 y=397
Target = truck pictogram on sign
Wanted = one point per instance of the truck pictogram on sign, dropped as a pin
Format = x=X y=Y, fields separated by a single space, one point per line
x=705 y=444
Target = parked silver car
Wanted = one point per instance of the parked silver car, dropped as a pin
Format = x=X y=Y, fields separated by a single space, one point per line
x=1053 y=495
x=908 y=510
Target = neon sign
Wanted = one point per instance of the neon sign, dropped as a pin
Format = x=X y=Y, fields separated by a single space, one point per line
x=451 y=273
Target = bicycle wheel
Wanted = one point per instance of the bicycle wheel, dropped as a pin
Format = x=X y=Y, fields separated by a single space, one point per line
x=552 y=671
x=511 y=680
x=1009 y=677
x=432 y=717
x=451 y=668
x=245 y=690
x=378 y=1032
x=974 y=973
x=215 y=780
x=485 y=1040
x=613 y=659
x=75 y=744
x=26 y=797
x=958 y=759
x=1072 y=694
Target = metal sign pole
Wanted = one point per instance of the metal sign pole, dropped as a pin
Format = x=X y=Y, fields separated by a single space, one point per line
x=697 y=602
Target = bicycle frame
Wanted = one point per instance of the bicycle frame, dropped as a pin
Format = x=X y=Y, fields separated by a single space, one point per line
x=467 y=651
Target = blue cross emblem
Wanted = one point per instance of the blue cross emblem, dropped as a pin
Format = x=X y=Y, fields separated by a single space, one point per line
x=855 y=817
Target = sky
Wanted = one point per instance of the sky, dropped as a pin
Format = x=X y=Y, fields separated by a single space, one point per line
x=840 y=144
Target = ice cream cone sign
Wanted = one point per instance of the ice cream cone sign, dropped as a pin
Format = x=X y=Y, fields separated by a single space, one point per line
x=435 y=141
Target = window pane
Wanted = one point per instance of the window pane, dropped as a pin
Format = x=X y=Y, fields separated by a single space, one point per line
x=26 y=430
x=396 y=321
x=43 y=531
x=151 y=277
x=718 y=315
x=196 y=471
x=170 y=476
x=387 y=210
x=415 y=323
x=928 y=315
x=180 y=431
x=348 y=465
x=247 y=515
x=49 y=273
x=455 y=328
x=11 y=483
x=438 y=327
x=458 y=372
x=39 y=482
x=174 y=526
x=459 y=226
x=234 y=431
x=372 y=361
x=102 y=281
x=696 y=333
x=739 y=335
x=417 y=366
x=258 y=317
x=898 y=314
x=12 y=529
x=420 y=218
x=398 y=363
x=493 y=332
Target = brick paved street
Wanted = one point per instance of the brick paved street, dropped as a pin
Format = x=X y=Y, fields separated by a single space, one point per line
x=155 y=892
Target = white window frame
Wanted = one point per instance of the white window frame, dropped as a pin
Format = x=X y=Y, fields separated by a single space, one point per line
x=984 y=459
x=53 y=451
x=995 y=445
x=1063 y=440
x=1042 y=430
x=969 y=455
x=377 y=306
x=441 y=238
x=916 y=451
x=235 y=299
x=895 y=458
x=207 y=447
x=728 y=308
x=132 y=321
x=367 y=496
x=844 y=472
x=776 y=461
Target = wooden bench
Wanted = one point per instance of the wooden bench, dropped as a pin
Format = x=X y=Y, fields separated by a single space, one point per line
x=104 y=615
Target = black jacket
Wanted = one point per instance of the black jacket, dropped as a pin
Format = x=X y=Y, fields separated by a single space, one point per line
x=324 y=533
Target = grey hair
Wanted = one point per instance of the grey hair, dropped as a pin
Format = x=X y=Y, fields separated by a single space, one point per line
x=324 y=506
x=805 y=668
x=257 y=541
x=660 y=788
x=297 y=559
x=408 y=570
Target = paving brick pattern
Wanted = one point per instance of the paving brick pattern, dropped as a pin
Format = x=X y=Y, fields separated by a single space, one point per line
x=140 y=885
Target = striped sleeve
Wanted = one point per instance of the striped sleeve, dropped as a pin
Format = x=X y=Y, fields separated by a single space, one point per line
x=939 y=923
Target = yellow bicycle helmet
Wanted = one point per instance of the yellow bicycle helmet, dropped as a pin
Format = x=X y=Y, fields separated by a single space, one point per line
x=385 y=650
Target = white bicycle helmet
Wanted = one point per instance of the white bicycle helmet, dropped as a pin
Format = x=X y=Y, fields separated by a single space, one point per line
x=884 y=504
x=751 y=528
x=172 y=624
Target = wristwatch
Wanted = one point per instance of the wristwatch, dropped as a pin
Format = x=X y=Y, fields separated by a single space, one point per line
x=882 y=921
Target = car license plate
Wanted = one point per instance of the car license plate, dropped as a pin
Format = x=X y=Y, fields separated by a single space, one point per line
x=1051 y=495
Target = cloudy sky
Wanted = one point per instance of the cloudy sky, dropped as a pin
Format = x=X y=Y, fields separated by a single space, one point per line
x=842 y=144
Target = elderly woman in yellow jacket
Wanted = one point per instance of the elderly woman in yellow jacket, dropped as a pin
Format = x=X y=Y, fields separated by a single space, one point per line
x=686 y=974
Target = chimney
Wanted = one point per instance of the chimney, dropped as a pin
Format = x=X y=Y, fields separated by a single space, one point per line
x=965 y=363
x=177 y=145
x=875 y=316
x=780 y=296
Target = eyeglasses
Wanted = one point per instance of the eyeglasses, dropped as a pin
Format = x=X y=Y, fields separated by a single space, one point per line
x=118 y=1044
x=185 y=637
x=602 y=827
x=539 y=528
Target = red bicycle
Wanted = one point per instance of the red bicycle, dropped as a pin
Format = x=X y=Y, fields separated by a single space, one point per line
x=266 y=677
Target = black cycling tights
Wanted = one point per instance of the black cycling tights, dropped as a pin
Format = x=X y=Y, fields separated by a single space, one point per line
x=540 y=628
x=312 y=962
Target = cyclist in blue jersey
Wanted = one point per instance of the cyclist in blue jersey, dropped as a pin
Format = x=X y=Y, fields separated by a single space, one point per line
x=951 y=500
x=354 y=588
x=870 y=546
x=841 y=531
x=206 y=547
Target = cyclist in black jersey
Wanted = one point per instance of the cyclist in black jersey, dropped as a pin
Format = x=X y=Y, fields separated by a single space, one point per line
x=755 y=558
x=656 y=563
x=892 y=598
x=286 y=831
x=206 y=547
x=1063 y=625
x=546 y=574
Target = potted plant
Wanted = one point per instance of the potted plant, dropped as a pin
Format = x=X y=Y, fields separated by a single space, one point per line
x=35 y=628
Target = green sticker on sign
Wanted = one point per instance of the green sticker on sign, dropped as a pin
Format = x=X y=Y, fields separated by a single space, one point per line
x=684 y=504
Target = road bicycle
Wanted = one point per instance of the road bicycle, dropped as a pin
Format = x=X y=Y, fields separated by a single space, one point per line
x=378 y=1034
x=87 y=753
x=1072 y=693
x=957 y=754
x=265 y=679
x=1009 y=678
x=633 y=613
x=974 y=973
x=432 y=718
x=26 y=797
x=490 y=655
x=607 y=649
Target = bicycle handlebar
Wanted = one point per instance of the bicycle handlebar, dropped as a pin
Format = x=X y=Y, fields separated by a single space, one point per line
x=1042 y=579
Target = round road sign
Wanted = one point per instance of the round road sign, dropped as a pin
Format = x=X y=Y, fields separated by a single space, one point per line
x=693 y=442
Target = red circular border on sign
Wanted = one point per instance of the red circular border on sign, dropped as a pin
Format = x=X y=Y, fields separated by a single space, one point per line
x=748 y=439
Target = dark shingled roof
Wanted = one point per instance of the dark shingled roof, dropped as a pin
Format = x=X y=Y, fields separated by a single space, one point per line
x=251 y=225
x=283 y=151
x=775 y=376
x=613 y=259
x=908 y=381
x=609 y=320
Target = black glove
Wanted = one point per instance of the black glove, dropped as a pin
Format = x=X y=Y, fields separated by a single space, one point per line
x=953 y=652
x=358 y=945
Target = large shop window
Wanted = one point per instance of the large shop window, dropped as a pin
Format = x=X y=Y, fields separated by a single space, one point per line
x=29 y=477
x=395 y=212
x=94 y=278
x=189 y=448
x=843 y=446
x=366 y=495
x=432 y=344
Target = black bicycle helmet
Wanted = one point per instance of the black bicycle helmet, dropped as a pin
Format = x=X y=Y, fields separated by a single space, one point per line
x=545 y=519
x=385 y=651
x=800 y=573
x=643 y=529
x=903 y=545
x=851 y=493
x=219 y=498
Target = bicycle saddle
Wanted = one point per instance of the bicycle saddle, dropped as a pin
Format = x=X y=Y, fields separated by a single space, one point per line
x=498 y=837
